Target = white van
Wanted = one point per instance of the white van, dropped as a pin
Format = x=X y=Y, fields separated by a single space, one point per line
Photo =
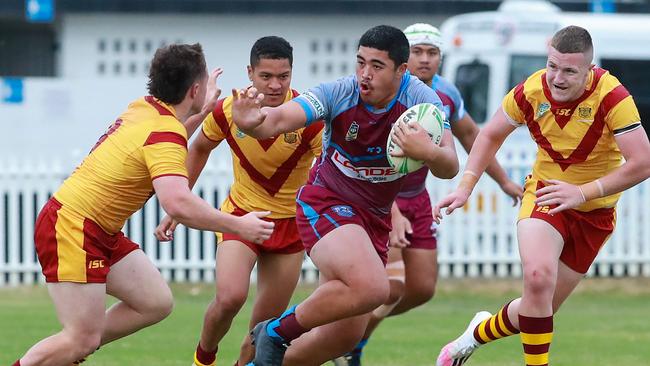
x=488 y=53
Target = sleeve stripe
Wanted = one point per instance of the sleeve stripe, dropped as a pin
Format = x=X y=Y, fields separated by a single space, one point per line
x=511 y=120
x=305 y=107
x=208 y=137
x=628 y=128
x=169 y=175
x=173 y=137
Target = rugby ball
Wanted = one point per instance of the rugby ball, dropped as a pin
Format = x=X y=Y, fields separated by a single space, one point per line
x=431 y=119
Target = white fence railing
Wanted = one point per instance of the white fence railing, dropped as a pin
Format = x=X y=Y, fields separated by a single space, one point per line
x=479 y=240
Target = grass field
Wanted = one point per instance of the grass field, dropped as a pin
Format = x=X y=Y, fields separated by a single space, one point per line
x=607 y=322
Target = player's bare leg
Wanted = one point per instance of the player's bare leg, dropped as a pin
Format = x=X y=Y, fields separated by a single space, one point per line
x=567 y=281
x=277 y=277
x=540 y=246
x=395 y=272
x=415 y=287
x=327 y=341
x=235 y=261
x=80 y=309
x=421 y=275
x=145 y=296
x=356 y=285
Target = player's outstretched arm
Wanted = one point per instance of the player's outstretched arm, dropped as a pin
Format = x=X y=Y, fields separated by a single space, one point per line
x=483 y=151
x=634 y=147
x=466 y=130
x=211 y=97
x=264 y=122
x=488 y=142
x=190 y=210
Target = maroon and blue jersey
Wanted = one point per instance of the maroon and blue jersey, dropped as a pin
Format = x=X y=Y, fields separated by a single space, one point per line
x=354 y=162
x=454 y=108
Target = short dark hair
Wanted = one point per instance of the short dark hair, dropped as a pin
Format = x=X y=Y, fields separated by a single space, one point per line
x=271 y=47
x=174 y=69
x=389 y=39
x=572 y=39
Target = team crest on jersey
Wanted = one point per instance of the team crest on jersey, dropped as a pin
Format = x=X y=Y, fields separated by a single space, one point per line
x=290 y=137
x=543 y=108
x=584 y=112
x=353 y=132
x=343 y=210
x=240 y=134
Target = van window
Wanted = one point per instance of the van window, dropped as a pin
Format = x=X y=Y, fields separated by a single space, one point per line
x=635 y=76
x=522 y=67
x=472 y=81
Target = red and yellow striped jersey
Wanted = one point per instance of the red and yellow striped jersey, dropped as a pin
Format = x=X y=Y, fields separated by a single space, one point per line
x=575 y=139
x=267 y=173
x=146 y=142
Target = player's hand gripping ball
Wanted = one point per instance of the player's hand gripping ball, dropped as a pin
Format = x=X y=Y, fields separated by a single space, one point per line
x=431 y=119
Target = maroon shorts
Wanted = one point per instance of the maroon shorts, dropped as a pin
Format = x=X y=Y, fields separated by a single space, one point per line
x=320 y=211
x=284 y=240
x=417 y=210
x=584 y=233
x=72 y=248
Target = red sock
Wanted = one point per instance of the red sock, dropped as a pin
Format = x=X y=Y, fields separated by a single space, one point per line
x=536 y=337
x=17 y=363
x=204 y=357
x=289 y=328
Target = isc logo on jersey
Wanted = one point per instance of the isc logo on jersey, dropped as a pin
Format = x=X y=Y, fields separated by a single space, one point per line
x=431 y=119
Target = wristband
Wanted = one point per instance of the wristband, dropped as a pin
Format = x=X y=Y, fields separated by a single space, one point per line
x=468 y=181
x=582 y=194
x=591 y=190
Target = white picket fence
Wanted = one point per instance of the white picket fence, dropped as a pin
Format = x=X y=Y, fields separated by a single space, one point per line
x=479 y=240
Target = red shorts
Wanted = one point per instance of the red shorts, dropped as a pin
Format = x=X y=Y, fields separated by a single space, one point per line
x=417 y=210
x=72 y=248
x=284 y=240
x=320 y=211
x=584 y=233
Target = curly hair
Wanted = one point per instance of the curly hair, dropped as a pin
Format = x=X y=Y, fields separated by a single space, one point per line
x=174 y=69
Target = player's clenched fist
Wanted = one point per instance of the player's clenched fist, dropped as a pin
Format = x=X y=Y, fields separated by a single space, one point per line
x=251 y=227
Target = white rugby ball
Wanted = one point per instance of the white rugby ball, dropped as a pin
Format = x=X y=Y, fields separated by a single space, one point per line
x=431 y=119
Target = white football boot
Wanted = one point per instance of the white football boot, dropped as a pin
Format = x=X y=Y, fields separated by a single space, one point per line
x=456 y=353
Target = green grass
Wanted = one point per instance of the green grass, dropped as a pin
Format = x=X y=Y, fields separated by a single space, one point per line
x=607 y=322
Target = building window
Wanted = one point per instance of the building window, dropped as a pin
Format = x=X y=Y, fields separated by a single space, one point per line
x=133 y=46
x=472 y=81
x=117 y=46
